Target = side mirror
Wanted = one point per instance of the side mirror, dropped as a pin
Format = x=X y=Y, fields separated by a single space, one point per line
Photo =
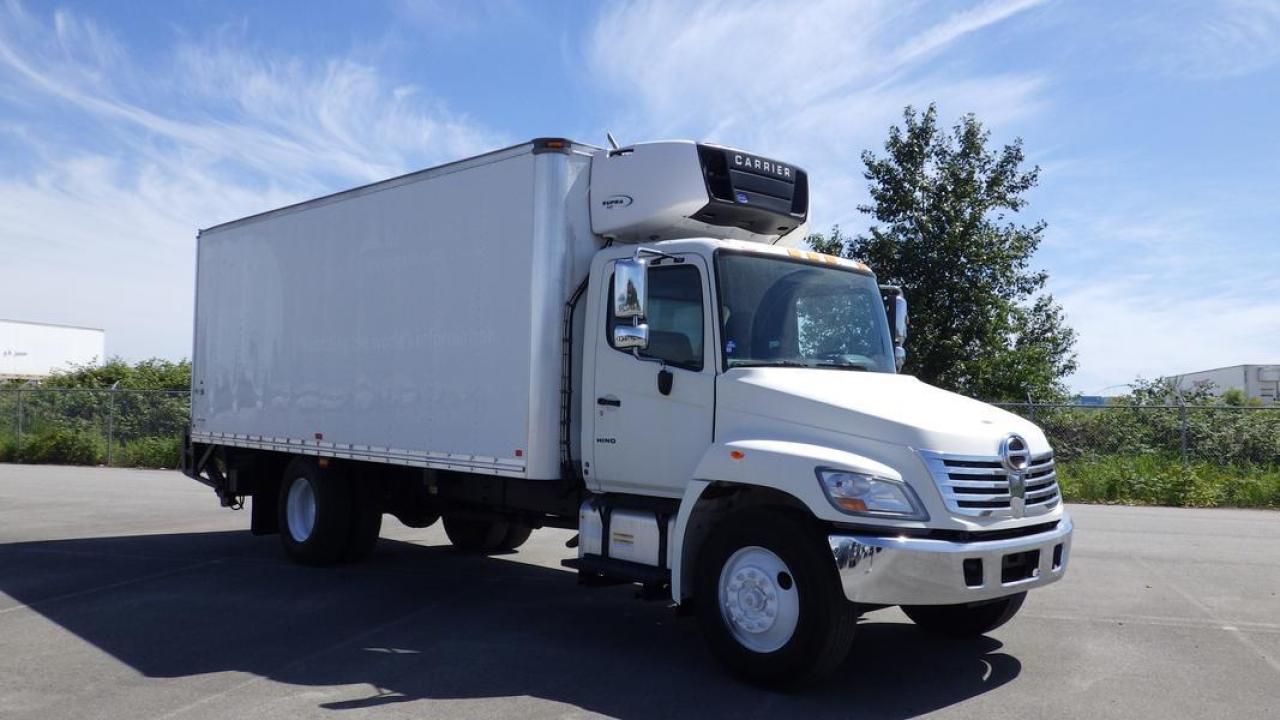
x=630 y=288
x=895 y=305
x=900 y=320
x=631 y=336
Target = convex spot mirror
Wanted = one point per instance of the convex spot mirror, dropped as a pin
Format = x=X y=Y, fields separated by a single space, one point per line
x=631 y=336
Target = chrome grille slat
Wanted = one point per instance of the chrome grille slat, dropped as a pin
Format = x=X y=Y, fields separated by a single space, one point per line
x=1002 y=483
x=978 y=486
x=984 y=498
x=975 y=472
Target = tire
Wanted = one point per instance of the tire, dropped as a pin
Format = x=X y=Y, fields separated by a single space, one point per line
x=778 y=562
x=366 y=521
x=963 y=621
x=476 y=534
x=517 y=534
x=418 y=521
x=315 y=513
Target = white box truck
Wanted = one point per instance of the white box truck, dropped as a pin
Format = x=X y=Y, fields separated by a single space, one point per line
x=614 y=341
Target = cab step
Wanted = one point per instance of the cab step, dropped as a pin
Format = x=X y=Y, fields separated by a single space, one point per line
x=594 y=568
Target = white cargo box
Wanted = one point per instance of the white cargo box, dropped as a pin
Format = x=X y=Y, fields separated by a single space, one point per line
x=414 y=321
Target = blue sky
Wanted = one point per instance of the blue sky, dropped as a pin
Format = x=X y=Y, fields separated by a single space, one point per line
x=124 y=127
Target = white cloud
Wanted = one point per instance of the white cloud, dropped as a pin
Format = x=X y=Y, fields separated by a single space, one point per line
x=812 y=82
x=1130 y=329
x=1160 y=287
x=99 y=219
x=1206 y=40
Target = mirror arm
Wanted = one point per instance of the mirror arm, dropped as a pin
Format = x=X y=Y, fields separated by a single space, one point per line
x=650 y=251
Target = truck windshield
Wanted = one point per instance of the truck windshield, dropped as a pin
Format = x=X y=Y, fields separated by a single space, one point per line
x=786 y=313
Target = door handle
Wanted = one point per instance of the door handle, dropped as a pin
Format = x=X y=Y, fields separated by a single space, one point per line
x=610 y=401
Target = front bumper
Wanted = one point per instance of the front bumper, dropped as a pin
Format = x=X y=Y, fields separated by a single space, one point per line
x=880 y=570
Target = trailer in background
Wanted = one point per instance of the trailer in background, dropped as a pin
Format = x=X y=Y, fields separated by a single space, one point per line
x=33 y=351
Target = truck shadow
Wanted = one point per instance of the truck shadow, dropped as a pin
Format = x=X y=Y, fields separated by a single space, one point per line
x=421 y=622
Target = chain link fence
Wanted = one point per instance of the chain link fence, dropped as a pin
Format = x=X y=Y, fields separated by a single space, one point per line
x=78 y=426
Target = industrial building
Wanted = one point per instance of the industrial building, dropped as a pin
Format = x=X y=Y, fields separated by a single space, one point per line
x=1261 y=382
x=32 y=351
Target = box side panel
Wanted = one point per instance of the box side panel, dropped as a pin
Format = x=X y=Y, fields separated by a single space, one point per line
x=393 y=321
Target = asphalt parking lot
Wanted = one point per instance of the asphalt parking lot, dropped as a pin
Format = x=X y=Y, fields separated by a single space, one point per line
x=131 y=594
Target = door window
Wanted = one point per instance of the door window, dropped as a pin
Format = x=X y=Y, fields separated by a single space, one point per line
x=675 y=316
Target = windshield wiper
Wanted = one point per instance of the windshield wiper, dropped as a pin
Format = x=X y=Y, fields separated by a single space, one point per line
x=844 y=366
x=770 y=363
x=797 y=364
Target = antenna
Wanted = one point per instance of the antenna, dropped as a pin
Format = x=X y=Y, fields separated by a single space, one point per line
x=613 y=143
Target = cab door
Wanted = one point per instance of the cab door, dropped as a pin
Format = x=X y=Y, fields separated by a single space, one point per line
x=645 y=441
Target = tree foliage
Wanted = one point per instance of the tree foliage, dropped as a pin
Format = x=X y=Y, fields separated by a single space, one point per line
x=981 y=323
x=153 y=374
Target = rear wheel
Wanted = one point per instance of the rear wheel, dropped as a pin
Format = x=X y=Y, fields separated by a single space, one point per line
x=476 y=534
x=517 y=534
x=314 y=513
x=769 y=600
x=961 y=621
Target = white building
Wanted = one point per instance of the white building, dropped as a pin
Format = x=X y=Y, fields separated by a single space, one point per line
x=31 y=351
x=1257 y=381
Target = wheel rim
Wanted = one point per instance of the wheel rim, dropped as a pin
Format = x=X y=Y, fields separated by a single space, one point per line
x=759 y=600
x=300 y=509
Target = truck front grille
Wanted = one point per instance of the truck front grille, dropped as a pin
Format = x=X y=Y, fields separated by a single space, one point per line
x=982 y=487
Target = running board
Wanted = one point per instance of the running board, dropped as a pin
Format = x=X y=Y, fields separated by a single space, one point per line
x=593 y=567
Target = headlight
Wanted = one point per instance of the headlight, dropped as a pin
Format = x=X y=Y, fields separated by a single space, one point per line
x=863 y=494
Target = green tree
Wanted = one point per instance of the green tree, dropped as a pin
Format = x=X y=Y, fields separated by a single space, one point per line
x=981 y=323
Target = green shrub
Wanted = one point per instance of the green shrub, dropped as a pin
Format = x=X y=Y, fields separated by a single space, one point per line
x=1161 y=479
x=151 y=452
x=8 y=448
x=62 y=446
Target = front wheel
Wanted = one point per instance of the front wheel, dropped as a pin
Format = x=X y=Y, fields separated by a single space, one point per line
x=769 y=600
x=962 y=621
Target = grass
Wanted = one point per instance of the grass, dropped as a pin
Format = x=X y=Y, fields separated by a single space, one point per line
x=152 y=452
x=1161 y=479
x=62 y=446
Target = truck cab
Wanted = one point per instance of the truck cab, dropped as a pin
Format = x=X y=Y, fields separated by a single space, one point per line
x=759 y=383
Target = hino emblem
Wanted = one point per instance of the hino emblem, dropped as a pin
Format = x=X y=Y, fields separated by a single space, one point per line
x=1015 y=455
